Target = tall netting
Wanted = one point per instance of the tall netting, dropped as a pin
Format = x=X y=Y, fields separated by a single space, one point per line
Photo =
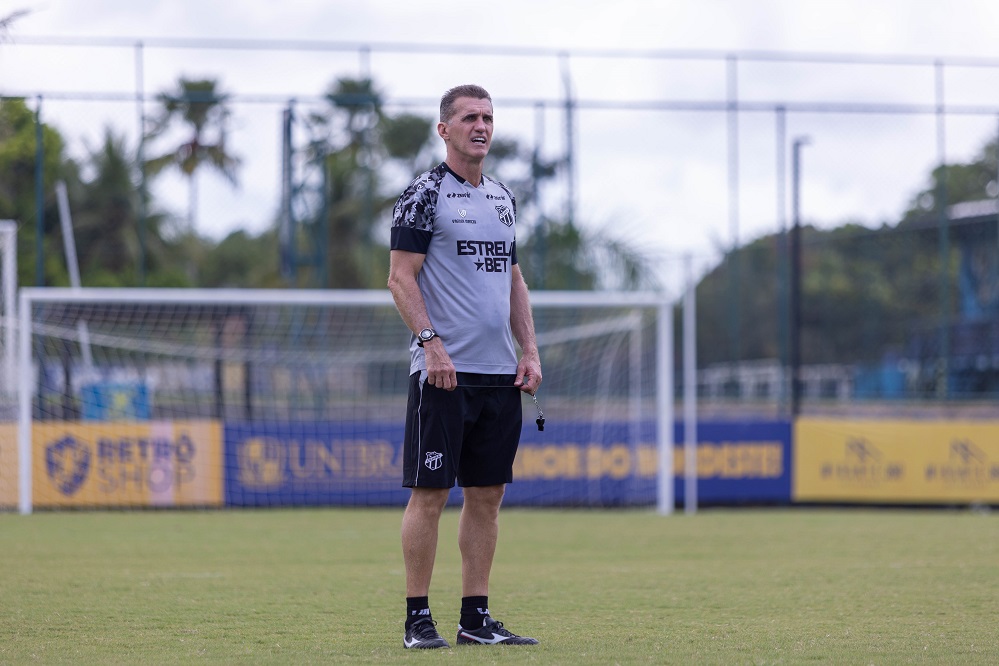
x=147 y=398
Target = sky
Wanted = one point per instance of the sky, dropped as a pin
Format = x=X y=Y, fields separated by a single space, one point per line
x=658 y=178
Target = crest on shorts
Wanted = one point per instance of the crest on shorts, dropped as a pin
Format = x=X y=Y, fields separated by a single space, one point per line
x=433 y=460
x=505 y=215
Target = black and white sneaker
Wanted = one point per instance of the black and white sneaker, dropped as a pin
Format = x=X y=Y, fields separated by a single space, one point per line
x=423 y=635
x=492 y=633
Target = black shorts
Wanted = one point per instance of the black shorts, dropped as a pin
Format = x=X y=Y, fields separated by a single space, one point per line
x=470 y=434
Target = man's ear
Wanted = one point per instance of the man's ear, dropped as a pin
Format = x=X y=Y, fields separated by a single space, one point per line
x=442 y=130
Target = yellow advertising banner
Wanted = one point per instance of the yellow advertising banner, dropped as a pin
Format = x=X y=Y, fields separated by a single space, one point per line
x=8 y=465
x=150 y=463
x=905 y=462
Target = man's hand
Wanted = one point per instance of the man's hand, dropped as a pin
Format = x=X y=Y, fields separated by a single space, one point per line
x=528 y=374
x=440 y=369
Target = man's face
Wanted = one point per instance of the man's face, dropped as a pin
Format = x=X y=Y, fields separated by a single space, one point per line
x=469 y=132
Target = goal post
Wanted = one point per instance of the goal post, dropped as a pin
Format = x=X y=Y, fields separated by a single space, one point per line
x=8 y=362
x=8 y=295
x=135 y=398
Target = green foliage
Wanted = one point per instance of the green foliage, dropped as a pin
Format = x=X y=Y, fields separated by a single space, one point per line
x=106 y=215
x=865 y=292
x=560 y=255
x=18 y=159
x=974 y=181
x=550 y=258
x=750 y=279
x=354 y=145
x=405 y=139
x=242 y=261
x=112 y=238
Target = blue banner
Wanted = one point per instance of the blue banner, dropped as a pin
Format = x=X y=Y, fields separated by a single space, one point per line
x=575 y=464
x=315 y=463
x=739 y=462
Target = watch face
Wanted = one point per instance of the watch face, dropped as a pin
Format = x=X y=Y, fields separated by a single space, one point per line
x=426 y=334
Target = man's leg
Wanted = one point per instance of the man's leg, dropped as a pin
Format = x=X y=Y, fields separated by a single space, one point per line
x=420 y=524
x=419 y=549
x=478 y=530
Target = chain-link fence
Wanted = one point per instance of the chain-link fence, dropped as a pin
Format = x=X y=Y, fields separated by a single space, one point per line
x=829 y=243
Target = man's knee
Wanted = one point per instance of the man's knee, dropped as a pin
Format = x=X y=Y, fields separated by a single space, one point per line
x=428 y=500
x=484 y=498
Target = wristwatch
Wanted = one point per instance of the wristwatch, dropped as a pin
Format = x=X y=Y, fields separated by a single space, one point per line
x=426 y=335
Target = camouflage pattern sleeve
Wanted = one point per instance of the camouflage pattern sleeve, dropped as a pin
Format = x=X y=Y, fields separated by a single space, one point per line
x=417 y=206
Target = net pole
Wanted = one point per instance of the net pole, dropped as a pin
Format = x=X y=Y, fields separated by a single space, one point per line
x=73 y=266
x=664 y=408
x=690 y=392
x=24 y=460
x=635 y=383
x=8 y=247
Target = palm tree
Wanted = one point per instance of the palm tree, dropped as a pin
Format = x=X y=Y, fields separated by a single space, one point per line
x=8 y=20
x=200 y=106
x=353 y=143
x=106 y=219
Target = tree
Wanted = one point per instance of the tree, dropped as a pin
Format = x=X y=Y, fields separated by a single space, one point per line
x=105 y=206
x=974 y=181
x=357 y=147
x=867 y=294
x=405 y=138
x=18 y=158
x=561 y=255
x=242 y=261
x=361 y=148
x=203 y=110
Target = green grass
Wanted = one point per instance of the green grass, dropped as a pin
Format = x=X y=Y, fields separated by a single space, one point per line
x=794 y=586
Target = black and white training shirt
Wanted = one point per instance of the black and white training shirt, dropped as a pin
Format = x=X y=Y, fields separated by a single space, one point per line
x=468 y=235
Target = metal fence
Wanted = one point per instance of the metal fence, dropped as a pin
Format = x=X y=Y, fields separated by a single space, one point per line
x=703 y=154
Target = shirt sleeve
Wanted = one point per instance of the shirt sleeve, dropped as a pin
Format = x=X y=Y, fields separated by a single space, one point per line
x=410 y=240
x=413 y=217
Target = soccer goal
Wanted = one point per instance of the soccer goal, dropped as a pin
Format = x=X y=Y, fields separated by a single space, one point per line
x=244 y=398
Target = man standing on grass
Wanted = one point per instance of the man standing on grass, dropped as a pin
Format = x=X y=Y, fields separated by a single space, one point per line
x=456 y=282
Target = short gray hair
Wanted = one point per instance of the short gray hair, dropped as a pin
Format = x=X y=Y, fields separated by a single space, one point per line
x=452 y=95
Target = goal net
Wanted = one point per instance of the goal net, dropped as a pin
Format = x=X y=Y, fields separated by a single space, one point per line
x=241 y=398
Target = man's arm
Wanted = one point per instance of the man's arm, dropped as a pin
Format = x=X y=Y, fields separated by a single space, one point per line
x=404 y=267
x=522 y=323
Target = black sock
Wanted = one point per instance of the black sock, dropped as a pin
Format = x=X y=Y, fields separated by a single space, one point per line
x=473 y=612
x=417 y=608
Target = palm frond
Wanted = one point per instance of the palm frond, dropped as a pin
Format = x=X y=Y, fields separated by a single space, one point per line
x=8 y=20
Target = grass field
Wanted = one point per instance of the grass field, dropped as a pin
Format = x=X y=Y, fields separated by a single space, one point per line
x=779 y=586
